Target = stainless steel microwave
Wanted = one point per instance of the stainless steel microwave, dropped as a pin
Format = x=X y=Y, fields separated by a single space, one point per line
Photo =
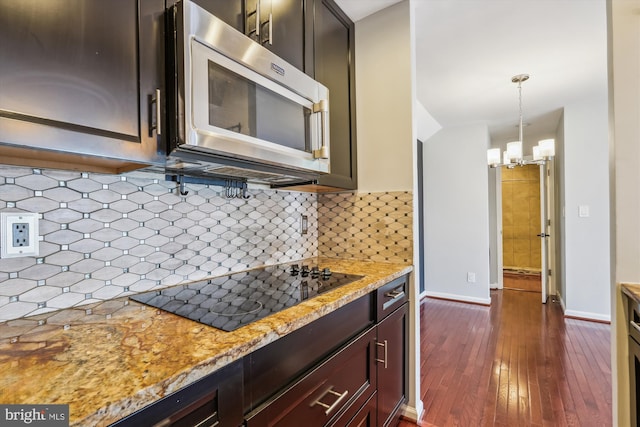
x=235 y=109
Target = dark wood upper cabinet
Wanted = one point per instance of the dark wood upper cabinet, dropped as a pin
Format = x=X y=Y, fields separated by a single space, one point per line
x=284 y=27
x=230 y=11
x=334 y=67
x=81 y=77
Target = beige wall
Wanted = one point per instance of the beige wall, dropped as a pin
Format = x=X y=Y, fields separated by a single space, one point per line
x=384 y=100
x=624 y=32
x=385 y=91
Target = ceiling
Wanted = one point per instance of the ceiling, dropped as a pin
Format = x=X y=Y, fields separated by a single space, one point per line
x=467 y=51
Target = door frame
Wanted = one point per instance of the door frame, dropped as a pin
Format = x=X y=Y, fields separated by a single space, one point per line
x=549 y=188
x=551 y=227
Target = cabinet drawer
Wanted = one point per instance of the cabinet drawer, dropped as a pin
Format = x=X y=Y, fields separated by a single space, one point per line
x=359 y=417
x=272 y=368
x=347 y=379
x=391 y=296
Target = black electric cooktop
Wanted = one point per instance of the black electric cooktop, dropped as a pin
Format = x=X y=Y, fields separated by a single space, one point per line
x=231 y=301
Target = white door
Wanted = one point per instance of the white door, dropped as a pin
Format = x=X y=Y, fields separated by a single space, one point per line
x=544 y=235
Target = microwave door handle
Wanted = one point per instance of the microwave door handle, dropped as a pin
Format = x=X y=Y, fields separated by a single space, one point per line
x=322 y=107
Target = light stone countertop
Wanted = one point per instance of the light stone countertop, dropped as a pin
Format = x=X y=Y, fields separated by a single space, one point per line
x=109 y=359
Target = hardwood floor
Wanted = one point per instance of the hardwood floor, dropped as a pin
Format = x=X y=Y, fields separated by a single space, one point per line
x=516 y=363
x=523 y=282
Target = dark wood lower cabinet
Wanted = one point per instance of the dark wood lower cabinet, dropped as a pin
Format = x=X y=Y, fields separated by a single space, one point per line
x=363 y=383
x=392 y=366
x=269 y=370
x=364 y=417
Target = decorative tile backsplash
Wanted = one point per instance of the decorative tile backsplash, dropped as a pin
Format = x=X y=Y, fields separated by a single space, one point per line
x=105 y=236
x=367 y=226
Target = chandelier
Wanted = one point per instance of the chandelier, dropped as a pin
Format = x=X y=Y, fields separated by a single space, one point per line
x=512 y=156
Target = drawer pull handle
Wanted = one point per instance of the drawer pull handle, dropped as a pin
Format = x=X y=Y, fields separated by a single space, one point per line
x=635 y=326
x=335 y=404
x=383 y=344
x=396 y=293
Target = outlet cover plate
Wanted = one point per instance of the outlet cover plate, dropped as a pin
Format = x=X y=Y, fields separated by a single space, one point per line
x=7 y=222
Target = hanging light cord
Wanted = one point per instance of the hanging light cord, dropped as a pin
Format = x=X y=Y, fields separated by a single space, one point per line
x=520 y=104
x=519 y=79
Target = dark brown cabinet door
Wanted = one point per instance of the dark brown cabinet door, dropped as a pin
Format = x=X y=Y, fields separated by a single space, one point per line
x=230 y=11
x=392 y=366
x=334 y=68
x=80 y=76
x=282 y=28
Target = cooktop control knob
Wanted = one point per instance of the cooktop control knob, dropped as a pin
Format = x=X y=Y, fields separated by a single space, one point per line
x=304 y=271
x=295 y=269
x=315 y=272
x=326 y=273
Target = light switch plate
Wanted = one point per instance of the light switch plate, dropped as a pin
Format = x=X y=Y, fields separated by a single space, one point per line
x=583 y=211
x=18 y=234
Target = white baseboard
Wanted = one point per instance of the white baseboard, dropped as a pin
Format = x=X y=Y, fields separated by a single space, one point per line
x=587 y=316
x=461 y=298
x=582 y=314
x=494 y=286
x=413 y=413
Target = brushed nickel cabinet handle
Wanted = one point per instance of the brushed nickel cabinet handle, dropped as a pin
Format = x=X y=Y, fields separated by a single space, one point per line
x=157 y=126
x=248 y=14
x=334 y=405
x=270 y=40
x=383 y=344
x=258 y=23
x=158 y=113
x=395 y=294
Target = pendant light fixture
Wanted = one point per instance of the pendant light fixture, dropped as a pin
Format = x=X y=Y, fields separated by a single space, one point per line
x=513 y=157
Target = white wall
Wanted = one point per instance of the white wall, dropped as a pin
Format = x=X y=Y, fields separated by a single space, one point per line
x=495 y=227
x=387 y=134
x=427 y=125
x=456 y=198
x=586 y=184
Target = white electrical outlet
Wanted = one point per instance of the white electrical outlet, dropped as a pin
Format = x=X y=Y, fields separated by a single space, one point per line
x=471 y=277
x=18 y=234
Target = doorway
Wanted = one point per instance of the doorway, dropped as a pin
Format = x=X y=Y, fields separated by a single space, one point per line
x=526 y=194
